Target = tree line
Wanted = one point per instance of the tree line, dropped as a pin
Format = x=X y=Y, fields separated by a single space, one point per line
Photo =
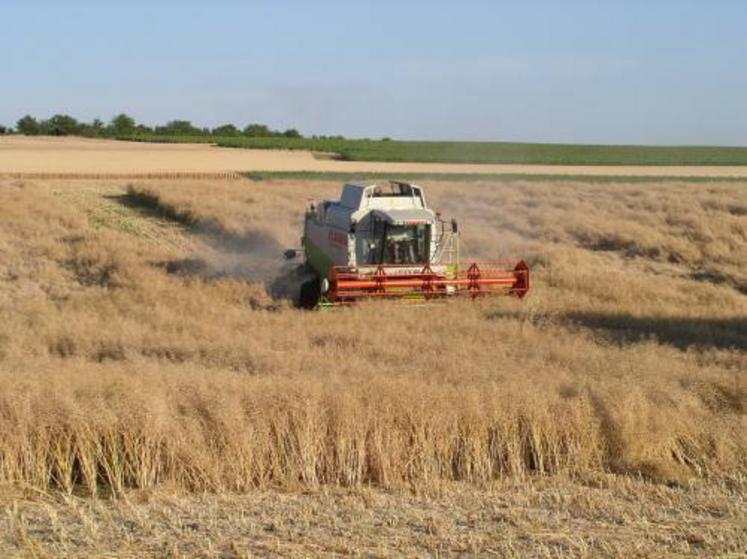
x=124 y=125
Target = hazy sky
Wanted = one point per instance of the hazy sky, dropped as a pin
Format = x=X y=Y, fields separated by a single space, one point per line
x=657 y=71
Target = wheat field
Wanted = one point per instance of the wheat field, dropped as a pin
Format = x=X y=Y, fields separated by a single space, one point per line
x=160 y=395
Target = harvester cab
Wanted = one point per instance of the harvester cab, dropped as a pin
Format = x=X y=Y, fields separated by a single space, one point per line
x=382 y=241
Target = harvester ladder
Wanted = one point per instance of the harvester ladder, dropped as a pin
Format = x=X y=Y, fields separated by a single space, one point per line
x=447 y=251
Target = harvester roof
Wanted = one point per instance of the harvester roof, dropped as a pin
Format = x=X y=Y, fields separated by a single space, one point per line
x=414 y=216
x=359 y=195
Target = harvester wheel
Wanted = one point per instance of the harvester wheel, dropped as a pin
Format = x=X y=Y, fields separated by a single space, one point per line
x=310 y=293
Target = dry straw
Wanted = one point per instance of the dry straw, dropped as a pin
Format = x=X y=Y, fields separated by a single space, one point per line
x=120 y=369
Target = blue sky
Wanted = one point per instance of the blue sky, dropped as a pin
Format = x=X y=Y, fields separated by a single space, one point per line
x=657 y=72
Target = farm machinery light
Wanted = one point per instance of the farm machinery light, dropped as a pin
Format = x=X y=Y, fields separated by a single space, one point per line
x=379 y=242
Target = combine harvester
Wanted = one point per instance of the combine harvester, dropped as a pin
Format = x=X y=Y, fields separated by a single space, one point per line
x=383 y=242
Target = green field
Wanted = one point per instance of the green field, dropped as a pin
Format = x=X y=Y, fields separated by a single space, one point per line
x=335 y=176
x=481 y=152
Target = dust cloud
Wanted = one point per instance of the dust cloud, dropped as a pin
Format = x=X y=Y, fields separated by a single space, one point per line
x=253 y=256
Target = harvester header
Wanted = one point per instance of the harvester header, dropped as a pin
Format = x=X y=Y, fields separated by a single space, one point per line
x=383 y=242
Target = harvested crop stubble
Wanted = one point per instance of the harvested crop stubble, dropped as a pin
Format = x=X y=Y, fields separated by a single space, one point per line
x=589 y=516
x=115 y=373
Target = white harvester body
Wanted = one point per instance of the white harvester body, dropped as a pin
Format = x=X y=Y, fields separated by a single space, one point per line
x=384 y=241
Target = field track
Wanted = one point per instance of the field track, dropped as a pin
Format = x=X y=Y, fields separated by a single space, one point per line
x=47 y=157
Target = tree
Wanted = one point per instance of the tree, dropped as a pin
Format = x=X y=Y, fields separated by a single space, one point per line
x=257 y=131
x=226 y=130
x=95 y=129
x=28 y=125
x=179 y=128
x=61 y=125
x=3 y=129
x=122 y=125
x=292 y=133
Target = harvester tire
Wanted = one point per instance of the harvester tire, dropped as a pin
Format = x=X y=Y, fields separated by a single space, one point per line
x=310 y=293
